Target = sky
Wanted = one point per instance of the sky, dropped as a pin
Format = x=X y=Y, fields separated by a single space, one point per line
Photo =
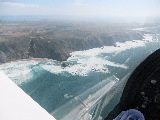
x=81 y=8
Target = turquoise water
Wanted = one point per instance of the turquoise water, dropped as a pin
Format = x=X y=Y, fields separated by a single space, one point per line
x=52 y=86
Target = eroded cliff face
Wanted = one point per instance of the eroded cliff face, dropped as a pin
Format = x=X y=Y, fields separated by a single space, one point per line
x=56 y=42
x=39 y=48
x=13 y=50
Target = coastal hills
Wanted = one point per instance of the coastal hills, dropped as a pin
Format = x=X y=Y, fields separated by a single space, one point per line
x=57 y=39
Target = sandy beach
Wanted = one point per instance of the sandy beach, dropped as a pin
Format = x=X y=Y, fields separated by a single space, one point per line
x=25 y=60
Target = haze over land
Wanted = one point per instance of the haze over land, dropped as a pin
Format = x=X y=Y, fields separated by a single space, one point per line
x=54 y=29
x=56 y=40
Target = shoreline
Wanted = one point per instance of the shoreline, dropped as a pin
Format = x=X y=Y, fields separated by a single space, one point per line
x=29 y=59
x=145 y=38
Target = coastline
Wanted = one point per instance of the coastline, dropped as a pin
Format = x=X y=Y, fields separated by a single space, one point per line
x=29 y=59
x=146 y=37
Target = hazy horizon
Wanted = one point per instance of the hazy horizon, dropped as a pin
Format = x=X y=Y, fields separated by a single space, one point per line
x=97 y=10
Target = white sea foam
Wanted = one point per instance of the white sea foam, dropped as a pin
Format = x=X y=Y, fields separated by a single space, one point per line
x=114 y=49
x=83 y=66
x=19 y=72
x=80 y=63
x=90 y=60
x=84 y=62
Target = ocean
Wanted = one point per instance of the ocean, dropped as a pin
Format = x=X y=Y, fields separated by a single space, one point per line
x=53 y=86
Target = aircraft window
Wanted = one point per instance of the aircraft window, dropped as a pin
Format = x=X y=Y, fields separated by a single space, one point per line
x=74 y=57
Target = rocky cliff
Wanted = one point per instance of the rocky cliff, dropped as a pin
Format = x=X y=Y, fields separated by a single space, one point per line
x=33 y=40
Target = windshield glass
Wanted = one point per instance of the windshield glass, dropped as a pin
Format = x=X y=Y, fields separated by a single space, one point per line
x=74 y=57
